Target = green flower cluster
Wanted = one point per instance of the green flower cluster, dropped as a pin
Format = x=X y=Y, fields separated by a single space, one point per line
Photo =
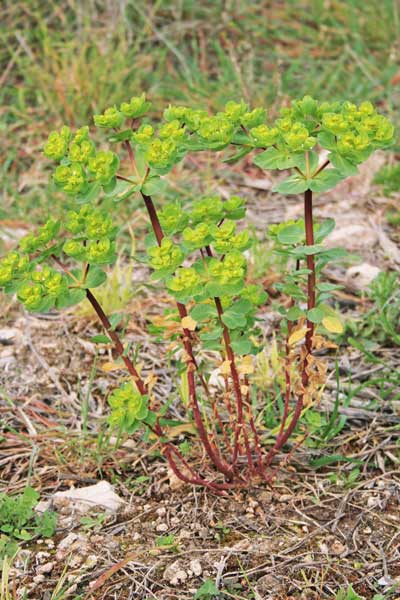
x=216 y=131
x=81 y=149
x=94 y=235
x=143 y=135
x=103 y=166
x=173 y=219
x=112 y=117
x=343 y=128
x=161 y=155
x=90 y=223
x=206 y=226
x=216 y=128
x=230 y=272
x=42 y=290
x=128 y=408
x=186 y=283
x=225 y=238
x=166 y=258
x=80 y=165
x=136 y=107
x=39 y=287
x=34 y=242
x=57 y=144
x=95 y=252
x=14 y=267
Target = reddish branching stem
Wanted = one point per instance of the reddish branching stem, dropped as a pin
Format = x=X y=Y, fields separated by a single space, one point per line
x=209 y=447
x=117 y=342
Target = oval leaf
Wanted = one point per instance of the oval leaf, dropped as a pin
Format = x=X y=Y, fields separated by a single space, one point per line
x=332 y=324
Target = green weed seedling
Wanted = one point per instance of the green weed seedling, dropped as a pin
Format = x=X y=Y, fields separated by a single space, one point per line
x=350 y=594
x=197 y=253
x=207 y=591
x=19 y=522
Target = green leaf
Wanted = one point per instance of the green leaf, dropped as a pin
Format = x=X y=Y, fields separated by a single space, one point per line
x=332 y=253
x=325 y=228
x=100 y=339
x=301 y=161
x=46 y=524
x=315 y=315
x=291 y=234
x=291 y=289
x=214 y=334
x=241 y=346
x=207 y=591
x=328 y=287
x=122 y=190
x=327 y=140
x=343 y=164
x=294 y=313
x=325 y=180
x=115 y=320
x=236 y=157
x=295 y=184
x=202 y=312
x=275 y=159
x=71 y=297
x=307 y=250
x=121 y=136
x=154 y=185
x=94 y=278
x=233 y=320
x=242 y=306
x=91 y=192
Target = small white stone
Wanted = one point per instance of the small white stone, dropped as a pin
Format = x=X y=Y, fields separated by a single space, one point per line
x=195 y=567
x=84 y=499
x=46 y=568
x=361 y=276
x=161 y=511
x=91 y=561
x=162 y=527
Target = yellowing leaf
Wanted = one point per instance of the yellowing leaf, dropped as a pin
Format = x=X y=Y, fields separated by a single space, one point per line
x=177 y=430
x=189 y=323
x=225 y=367
x=111 y=366
x=246 y=366
x=332 y=324
x=297 y=336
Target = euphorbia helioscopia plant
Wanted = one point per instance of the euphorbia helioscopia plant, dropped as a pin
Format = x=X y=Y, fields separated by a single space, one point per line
x=198 y=254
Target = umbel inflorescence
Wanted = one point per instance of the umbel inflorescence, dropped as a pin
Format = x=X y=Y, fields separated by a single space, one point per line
x=198 y=253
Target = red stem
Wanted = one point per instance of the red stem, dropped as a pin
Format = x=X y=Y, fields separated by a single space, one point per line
x=240 y=426
x=117 y=342
x=211 y=449
x=311 y=280
x=308 y=218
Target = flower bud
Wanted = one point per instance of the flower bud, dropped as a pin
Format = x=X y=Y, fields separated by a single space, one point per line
x=111 y=118
x=137 y=107
x=71 y=178
x=57 y=144
x=103 y=166
x=167 y=256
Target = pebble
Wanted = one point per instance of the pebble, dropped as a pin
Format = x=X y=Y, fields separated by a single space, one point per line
x=162 y=527
x=175 y=574
x=195 y=567
x=46 y=568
